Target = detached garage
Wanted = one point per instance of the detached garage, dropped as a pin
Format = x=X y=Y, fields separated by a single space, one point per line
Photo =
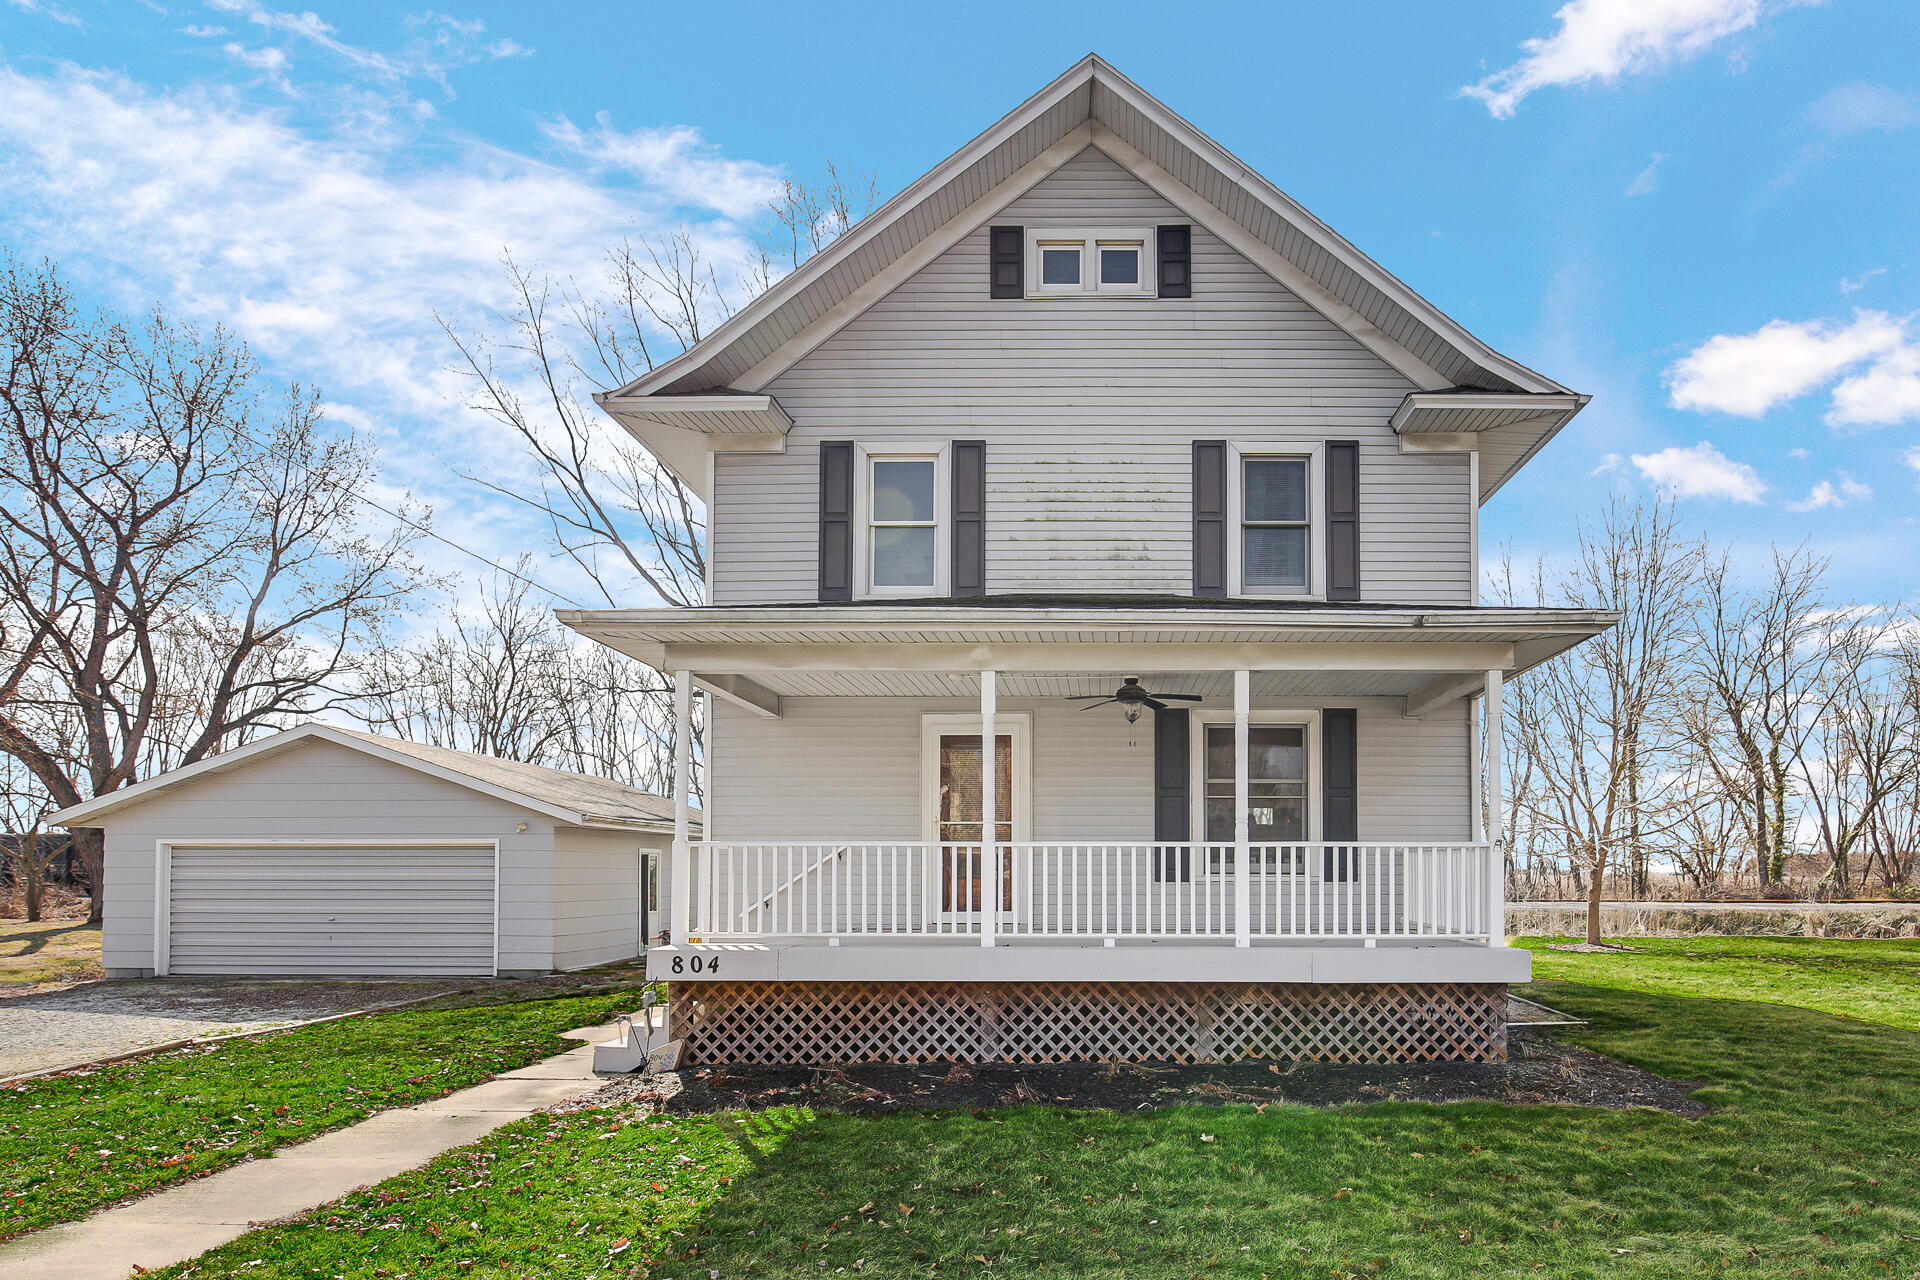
x=329 y=851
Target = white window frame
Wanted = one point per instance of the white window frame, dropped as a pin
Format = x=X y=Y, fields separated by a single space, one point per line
x=866 y=454
x=1089 y=240
x=1017 y=725
x=1314 y=452
x=1307 y=718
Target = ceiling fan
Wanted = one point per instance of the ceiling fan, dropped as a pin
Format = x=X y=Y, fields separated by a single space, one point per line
x=1133 y=699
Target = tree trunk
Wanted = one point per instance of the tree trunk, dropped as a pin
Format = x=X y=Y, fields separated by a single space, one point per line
x=1595 y=891
x=33 y=882
x=91 y=844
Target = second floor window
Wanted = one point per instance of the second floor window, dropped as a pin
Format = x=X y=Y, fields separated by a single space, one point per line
x=1275 y=524
x=903 y=525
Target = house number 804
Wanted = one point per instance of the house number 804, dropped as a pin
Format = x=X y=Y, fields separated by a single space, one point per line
x=696 y=964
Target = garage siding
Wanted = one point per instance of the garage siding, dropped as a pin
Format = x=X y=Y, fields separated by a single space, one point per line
x=331 y=909
x=320 y=791
x=596 y=895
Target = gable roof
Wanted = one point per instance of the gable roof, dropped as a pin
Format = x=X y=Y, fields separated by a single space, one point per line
x=1093 y=104
x=574 y=799
x=715 y=388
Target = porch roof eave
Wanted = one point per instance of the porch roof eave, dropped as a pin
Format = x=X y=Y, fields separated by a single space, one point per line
x=960 y=638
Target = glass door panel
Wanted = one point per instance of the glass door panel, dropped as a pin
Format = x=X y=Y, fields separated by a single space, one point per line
x=1276 y=786
x=962 y=807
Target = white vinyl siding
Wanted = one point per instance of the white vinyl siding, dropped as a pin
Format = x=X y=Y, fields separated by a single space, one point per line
x=379 y=910
x=1089 y=407
x=849 y=769
x=596 y=895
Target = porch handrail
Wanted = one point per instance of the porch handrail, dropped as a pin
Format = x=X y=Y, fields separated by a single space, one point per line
x=1371 y=889
x=830 y=855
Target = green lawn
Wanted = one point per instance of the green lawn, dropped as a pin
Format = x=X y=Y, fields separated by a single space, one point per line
x=72 y=1144
x=48 y=951
x=1875 y=981
x=1809 y=1165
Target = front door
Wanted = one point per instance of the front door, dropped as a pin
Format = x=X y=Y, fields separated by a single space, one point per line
x=961 y=806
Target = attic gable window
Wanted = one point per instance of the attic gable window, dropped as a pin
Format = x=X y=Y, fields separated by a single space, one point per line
x=1089 y=262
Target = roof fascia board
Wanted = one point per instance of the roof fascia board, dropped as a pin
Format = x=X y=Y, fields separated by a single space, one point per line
x=141 y=791
x=1269 y=260
x=922 y=255
x=1547 y=404
x=1077 y=76
x=1379 y=654
x=1499 y=482
x=701 y=404
x=1328 y=239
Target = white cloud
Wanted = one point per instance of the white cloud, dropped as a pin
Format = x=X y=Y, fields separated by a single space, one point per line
x=52 y=11
x=1888 y=391
x=1648 y=180
x=1700 y=472
x=1609 y=463
x=1798 y=453
x=270 y=62
x=1829 y=493
x=1912 y=458
x=675 y=159
x=1861 y=107
x=330 y=255
x=1747 y=374
x=203 y=31
x=1854 y=284
x=1601 y=40
x=439 y=43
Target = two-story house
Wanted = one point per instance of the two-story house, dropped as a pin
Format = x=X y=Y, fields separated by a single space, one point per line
x=1093 y=445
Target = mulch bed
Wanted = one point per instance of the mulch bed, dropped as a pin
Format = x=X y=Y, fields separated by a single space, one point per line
x=1540 y=1070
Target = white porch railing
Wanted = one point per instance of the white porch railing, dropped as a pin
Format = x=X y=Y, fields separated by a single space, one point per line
x=1091 y=890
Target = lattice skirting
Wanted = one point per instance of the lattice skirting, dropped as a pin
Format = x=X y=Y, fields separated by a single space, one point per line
x=844 y=1022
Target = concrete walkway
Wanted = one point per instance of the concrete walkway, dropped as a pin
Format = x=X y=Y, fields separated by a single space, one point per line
x=186 y=1221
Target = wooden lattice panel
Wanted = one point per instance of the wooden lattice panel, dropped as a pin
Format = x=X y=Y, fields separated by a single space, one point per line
x=823 y=1023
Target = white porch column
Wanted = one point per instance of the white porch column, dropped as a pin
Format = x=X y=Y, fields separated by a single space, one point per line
x=1242 y=799
x=1475 y=814
x=1496 y=835
x=681 y=919
x=989 y=788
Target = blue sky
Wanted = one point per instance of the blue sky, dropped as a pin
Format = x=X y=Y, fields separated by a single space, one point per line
x=1706 y=213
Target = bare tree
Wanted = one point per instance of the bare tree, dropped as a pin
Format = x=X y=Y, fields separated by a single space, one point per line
x=634 y=529
x=1861 y=751
x=1590 y=722
x=29 y=850
x=1758 y=656
x=184 y=566
x=511 y=682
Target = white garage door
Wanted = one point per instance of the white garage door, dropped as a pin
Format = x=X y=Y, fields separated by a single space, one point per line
x=331 y=909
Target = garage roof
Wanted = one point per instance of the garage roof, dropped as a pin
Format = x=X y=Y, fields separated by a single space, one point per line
x=576 y=799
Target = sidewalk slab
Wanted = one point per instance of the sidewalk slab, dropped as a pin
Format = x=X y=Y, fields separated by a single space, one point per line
x=187 y=1220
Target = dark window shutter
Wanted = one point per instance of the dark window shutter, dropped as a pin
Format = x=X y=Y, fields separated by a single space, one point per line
x=1210 y=517
x=836 y=520
x=1340 y=782
x=969 y=570
x=1171 y=810
x=1176 y=262
x=1343 y=520
x=1007 y=257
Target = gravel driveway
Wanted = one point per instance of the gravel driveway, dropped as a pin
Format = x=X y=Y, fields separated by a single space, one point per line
x=99 y=1019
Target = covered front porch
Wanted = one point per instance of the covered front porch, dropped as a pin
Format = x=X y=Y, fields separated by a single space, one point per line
x=1296 y=779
